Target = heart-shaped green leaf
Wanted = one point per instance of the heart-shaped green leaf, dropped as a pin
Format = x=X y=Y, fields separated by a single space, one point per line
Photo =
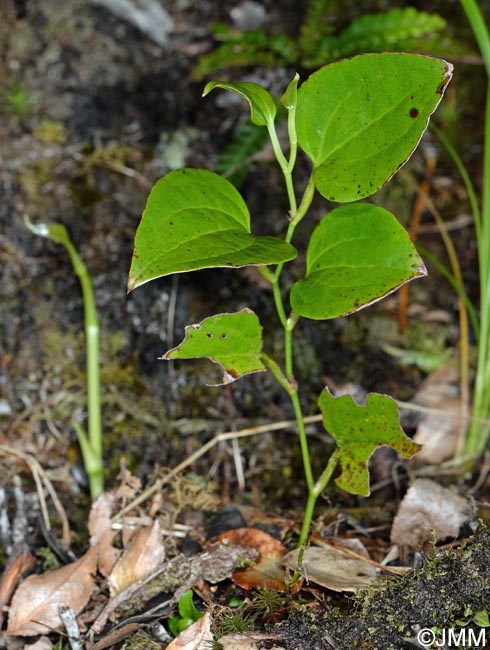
x=262 y=107
x=358 y=431
x=234 y=341
x=357 y=254
x=360 y=119
x=195 y=219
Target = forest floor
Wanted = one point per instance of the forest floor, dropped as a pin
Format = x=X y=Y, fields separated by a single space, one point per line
x=93 y=110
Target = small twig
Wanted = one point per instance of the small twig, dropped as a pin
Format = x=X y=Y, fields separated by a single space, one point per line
x=266 y=428
x=69 y=619
x=40 y=478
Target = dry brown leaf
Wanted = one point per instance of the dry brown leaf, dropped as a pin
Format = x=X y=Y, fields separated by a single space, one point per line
x=429 y=509
x=34 y=608
x=144 y=554
x=19 y=562
x=438 y=432
x=101 y=532
x=195 y=637
x=332 y=568
x=268 y=570
x=99 y=519
x=250 y=641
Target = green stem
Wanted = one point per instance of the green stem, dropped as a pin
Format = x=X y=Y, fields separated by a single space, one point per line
x=278 y=373
x=291 y=388
x=92 y=345
x=288 y=381
x=314 y=493
x=478 y=436
x=479 y=28
x=303 y=440
x=306 y=201
x=284 y=165
x=288 y=342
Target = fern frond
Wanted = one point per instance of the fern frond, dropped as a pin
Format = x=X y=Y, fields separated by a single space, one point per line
x=315 y=25
x=395 y=30
x=250 y=48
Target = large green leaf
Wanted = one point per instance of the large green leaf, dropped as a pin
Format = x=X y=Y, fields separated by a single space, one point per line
x=360 y=119
x=195 y=219
x=358 y=431
x=357 y=254
x=234 y=341
x=262 y=107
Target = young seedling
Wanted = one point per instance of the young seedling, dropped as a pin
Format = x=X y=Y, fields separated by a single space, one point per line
x=188 y=614
x=358 y=121
x=91 y=445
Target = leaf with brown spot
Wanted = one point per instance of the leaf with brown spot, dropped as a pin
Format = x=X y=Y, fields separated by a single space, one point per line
x=234 y=341
x=358 y=431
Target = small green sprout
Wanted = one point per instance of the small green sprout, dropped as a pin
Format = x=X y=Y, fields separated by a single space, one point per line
x=188 y=614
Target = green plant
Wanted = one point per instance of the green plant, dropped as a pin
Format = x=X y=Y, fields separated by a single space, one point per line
x=232 y=621
x=17 y=100
x=478 y=434
x=91 y=445
x=399 y=29
x=188 y=614
x=358 y=121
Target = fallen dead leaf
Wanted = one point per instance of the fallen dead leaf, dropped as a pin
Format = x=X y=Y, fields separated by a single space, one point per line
x=268 y=570
x=19 y=562
x=195 y=637
x=144 y=554
x=438 y=432
x=34 y=608
x=331 y=567
x=101 y=532
x=250 y=641
x=427 y=510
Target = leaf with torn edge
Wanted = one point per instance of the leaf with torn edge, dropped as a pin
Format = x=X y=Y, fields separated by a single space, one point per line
x=234 y=341
x=34 y=608
x=358 y=431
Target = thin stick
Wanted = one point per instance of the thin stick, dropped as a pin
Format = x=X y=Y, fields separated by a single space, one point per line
x=69 y=620
x=39 y=474
x=266 y=428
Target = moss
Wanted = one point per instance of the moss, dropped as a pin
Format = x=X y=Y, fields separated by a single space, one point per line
x=388 y=615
